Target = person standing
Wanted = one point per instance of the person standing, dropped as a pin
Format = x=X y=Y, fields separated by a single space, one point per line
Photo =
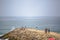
x=46 y=30
x=49 y=30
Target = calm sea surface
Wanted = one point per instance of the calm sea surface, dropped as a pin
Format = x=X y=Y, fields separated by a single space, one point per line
x=9 y=23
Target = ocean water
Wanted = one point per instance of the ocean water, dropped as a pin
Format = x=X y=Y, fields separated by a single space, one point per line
x=9 y=23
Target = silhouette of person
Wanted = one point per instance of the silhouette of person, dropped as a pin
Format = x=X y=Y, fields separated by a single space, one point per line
x=46 y=30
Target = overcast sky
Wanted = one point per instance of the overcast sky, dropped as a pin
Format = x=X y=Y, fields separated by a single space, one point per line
x=30 y=8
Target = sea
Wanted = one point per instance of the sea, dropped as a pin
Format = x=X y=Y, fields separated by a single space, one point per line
x=7 y=24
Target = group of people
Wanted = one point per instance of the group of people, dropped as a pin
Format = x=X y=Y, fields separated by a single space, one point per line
x=47 y=30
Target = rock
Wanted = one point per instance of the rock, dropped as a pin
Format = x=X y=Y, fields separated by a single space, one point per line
x=29 y=34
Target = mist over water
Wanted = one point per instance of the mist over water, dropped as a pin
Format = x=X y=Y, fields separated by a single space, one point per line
x=9 y=23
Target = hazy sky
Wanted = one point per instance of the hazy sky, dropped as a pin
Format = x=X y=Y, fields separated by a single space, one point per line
x=30 y=8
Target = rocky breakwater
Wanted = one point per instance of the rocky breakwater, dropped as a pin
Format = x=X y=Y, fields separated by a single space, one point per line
x=30 y=34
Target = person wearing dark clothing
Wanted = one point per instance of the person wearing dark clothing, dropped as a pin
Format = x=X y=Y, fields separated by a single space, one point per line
x=46 y=30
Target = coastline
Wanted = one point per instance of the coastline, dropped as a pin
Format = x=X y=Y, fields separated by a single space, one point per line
x=28 y=32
